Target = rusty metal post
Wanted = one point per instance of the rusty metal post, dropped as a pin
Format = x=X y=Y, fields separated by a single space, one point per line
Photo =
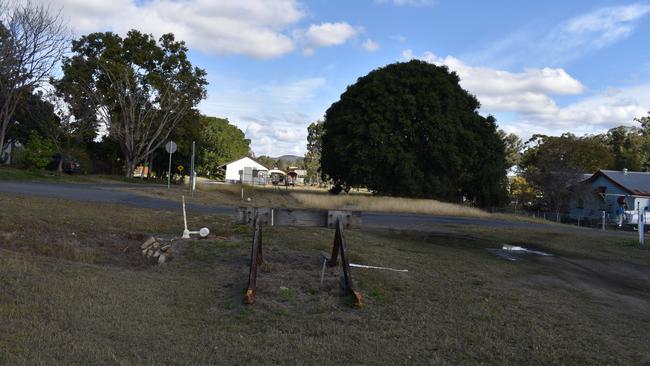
x=339 y=248
x=335 y=247
x=345 y=264
x=256 y=260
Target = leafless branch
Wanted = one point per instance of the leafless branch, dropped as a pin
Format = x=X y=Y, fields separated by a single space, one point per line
x=33 y=40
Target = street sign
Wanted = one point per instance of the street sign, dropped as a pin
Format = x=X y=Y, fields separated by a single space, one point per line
x=170 y=147
x=180 y=168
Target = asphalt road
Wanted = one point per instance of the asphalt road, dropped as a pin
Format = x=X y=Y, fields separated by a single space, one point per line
x=106 y=193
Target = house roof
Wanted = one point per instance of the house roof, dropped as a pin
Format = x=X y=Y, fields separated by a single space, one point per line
x=636 y=183
x=223 y=166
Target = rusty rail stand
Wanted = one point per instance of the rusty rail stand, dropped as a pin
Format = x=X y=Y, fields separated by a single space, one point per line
x=256 y=260
x=260 y=217
x=339 y=249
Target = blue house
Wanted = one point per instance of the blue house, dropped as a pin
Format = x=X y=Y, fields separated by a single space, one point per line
x=607 y=190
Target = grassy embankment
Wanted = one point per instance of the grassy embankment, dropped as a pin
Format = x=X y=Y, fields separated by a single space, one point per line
x=74 y=289
x=35 y=175
x=230 y=194
x=298 y=197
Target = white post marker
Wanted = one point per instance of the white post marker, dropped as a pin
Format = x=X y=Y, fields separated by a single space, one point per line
x=603 y=220
x=192 y=175
x=170 y=147
x=641 y=225
x=186 y=232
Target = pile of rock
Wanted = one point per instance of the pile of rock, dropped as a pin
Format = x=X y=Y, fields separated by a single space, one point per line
x=155 y=251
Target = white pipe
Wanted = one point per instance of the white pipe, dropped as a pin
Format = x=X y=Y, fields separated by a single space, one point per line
x=375 y=267
x=184 y=215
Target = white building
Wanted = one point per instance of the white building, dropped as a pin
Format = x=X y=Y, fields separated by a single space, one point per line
x=247 y=169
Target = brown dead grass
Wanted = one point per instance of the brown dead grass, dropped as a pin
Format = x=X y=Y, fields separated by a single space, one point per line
x=359 y=202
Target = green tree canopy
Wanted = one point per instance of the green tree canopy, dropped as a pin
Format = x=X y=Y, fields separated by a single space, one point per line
x=627 y=145
x=514 y=147
x=221 y=142
x=552 y=164
x=33 y=114
x=141 y=89
x=314 y=146
x=267 y=161
x=409 y=129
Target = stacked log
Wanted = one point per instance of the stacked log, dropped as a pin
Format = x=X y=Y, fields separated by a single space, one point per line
x=155 y=251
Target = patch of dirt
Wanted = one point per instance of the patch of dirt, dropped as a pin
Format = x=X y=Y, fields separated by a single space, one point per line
x=102 y=248
x=623 y=286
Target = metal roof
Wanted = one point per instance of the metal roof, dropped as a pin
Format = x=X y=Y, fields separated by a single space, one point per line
x=637 y=183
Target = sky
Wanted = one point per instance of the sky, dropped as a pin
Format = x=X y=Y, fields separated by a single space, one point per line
x=275 y=66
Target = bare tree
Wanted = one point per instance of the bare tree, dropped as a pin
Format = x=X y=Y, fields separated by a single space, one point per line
x=141 y=119
x=139 y=88
x=33 y=40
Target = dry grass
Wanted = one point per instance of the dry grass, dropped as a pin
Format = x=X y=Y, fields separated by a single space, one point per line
x=281 y=197
x=359 y=202
x=458 y=304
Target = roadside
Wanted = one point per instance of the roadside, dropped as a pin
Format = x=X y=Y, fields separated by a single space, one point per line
x=46 y=176
x=157 y=197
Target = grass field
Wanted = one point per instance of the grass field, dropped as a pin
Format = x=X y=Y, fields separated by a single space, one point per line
x=74 y=289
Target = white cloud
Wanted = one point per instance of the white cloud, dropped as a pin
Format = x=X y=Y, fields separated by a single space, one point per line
x=326 y=35
x=370 y=46
x=594 y=30
x=605 y=25
x=506 y=91
x=258 y=28
x=566 y=41
x=274 y=116
x=530 y=96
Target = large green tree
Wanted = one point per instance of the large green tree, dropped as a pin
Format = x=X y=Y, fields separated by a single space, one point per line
x=314 y=147
x=553 y=164
x=140 y=88
x=220 y=143
x=627 y=145
x=409 y=129
x=514 y=148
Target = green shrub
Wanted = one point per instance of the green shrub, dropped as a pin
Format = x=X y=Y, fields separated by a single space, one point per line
x=82 y=156
x=38 y=151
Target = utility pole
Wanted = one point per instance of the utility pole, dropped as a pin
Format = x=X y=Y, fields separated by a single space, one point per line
x=192 y=173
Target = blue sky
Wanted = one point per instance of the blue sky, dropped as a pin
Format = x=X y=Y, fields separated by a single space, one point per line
x=275 y=66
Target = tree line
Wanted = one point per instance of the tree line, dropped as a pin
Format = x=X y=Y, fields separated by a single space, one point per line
x=116 y=103
x=409 y=129
x=549 y=165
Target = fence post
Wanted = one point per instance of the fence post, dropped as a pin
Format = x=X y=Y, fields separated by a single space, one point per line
x=641 y=225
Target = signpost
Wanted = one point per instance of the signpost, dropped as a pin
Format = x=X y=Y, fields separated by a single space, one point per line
x=192 y=174
x=170 y=147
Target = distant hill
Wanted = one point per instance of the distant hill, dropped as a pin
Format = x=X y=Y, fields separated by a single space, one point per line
x=290 y=159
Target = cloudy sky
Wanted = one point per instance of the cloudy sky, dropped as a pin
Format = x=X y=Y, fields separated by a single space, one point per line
x=274 y=66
